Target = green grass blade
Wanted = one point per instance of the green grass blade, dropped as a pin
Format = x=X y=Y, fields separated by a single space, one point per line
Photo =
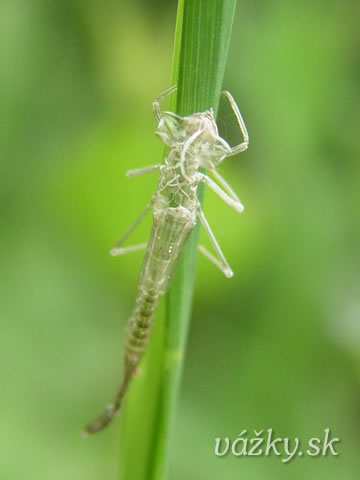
x=201 y=43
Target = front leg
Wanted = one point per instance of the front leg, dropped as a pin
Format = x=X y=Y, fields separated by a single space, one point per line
x=158 y=114
x=243 y=145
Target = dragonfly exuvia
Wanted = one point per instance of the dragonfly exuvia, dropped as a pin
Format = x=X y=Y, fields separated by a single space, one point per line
x=194 y=143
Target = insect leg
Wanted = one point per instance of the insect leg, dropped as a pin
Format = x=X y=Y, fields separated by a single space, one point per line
x=234 y=202
x=156 y=103
x=116 y=250
x=226 y=186
x=210 y=256
x=244 y=145
x=221 y=262
x=141 y=171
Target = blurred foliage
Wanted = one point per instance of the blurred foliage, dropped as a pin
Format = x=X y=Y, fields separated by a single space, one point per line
x=278 y=345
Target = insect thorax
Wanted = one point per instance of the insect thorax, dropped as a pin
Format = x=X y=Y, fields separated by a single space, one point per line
x=194 y=139
x=175 y=189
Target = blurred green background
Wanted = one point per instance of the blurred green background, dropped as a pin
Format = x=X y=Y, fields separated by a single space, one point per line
x=275 y=347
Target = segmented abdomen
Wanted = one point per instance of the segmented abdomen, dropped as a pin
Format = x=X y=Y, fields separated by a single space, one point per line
x=140 y=324
x=171 y=228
